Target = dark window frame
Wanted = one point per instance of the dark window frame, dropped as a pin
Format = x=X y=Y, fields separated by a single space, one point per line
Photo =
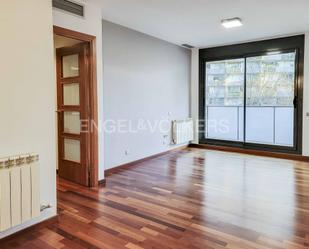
x=244 y=50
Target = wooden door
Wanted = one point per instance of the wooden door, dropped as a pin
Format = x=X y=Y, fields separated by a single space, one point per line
x=73 y=110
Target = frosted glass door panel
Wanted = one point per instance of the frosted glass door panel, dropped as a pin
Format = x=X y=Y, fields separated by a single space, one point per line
x=71 y=94
x=70 y=66
x=72 y=150
x=223 y=123
x=260 y=125
x=284 y=126
x=71 y=122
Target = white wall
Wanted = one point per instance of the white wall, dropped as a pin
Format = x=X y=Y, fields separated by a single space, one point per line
x=91 y=24
x=27 y=93
x=144 y=79
x=195 y=94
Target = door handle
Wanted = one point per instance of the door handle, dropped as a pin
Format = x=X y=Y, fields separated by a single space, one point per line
x=295 y=102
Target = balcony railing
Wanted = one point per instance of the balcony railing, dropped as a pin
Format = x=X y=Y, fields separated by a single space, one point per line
x=264 y=124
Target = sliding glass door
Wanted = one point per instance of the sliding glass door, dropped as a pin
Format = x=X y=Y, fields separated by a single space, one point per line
x=251 y=100
x=270 y=84
x=225 y=99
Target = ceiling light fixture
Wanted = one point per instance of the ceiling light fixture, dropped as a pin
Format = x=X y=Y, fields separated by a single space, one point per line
x=231 y=23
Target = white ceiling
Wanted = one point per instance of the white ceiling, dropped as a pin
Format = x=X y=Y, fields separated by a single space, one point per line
x=198 y=22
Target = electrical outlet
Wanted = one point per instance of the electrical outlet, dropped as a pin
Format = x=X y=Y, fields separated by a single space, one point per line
x=127 y=152
x=307 y=114
x=165 y=137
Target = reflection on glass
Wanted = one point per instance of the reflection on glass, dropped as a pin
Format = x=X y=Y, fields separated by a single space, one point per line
x=225 y=99
x=71 y=122
x=72 y=150
x=70 y=66
x=71 y=94
x=270 y=94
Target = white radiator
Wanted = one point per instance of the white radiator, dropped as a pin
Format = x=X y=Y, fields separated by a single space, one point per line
x=19 y=190
x=182 y=131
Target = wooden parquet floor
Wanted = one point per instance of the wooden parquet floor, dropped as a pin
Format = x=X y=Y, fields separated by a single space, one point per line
x=191 y=198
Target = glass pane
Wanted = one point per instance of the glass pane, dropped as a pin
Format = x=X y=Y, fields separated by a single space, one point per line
x=70 y=66
x=225 y=99
x=71 y=122
x=72 y=150
x=71 y=94
x=270 y=94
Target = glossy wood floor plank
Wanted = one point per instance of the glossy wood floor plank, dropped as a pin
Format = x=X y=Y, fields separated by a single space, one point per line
x=186 y=199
